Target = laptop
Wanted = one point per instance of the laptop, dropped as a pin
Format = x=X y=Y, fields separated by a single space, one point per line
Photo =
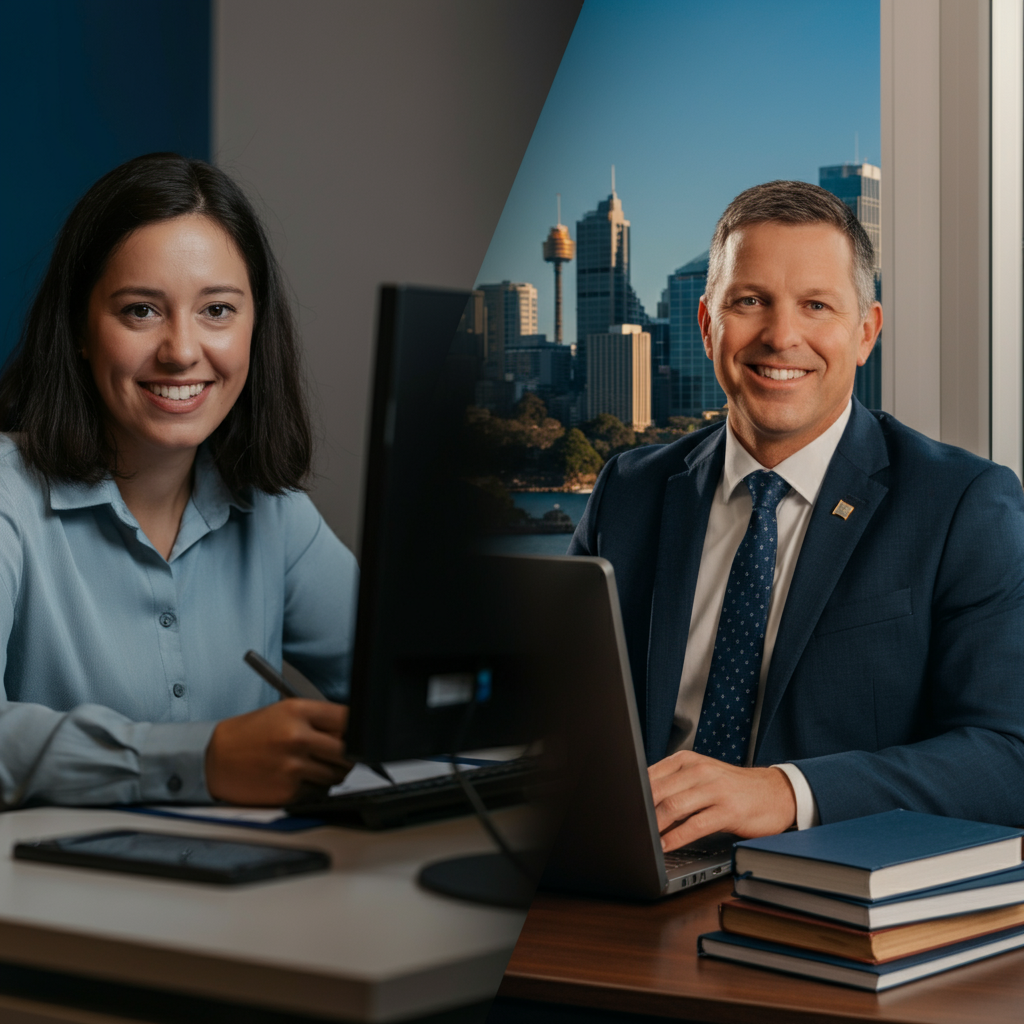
x=608 y=842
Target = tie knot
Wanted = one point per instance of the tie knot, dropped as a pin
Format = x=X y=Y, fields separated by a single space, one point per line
x=766 y=488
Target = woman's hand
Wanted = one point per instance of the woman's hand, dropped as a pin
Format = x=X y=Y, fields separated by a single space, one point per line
x=267 y=756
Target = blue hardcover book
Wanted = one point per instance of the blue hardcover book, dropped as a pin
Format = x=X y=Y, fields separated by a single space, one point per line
x=880 y=855
x=999 y=889
x=874 y=977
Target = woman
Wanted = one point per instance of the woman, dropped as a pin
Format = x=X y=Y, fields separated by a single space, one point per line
x=152 y=526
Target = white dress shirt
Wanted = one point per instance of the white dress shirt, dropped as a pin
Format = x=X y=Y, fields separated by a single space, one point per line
x=731 y=506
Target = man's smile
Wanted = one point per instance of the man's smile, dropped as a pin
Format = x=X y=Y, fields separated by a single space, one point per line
x=779 y=373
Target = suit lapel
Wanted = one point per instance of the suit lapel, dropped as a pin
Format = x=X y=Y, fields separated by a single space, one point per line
x=827 y=547
x=684 y=520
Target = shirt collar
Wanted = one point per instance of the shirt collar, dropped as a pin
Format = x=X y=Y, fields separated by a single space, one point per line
x=210 y=495
x=804 y=470
x=71 y=494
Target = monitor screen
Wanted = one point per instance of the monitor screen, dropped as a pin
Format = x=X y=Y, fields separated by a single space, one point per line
x=438 y=666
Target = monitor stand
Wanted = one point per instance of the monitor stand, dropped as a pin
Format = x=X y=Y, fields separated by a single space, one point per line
x=486 y=878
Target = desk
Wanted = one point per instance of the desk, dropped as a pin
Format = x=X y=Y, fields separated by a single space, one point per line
x=362 y=942
x=643 y=960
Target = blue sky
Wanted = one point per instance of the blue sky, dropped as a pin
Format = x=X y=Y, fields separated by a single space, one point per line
x=692 y=102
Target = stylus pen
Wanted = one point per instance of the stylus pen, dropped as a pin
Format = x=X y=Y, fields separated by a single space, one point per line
x=300 y=688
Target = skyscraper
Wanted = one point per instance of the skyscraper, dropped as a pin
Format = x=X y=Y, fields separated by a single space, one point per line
x=619 y=374
x=659 y=329
x=602 y=275
x=859 y=186
x=693 y=387
x=511 y=312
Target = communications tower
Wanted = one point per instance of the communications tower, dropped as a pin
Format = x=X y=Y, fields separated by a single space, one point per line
x=559 y=248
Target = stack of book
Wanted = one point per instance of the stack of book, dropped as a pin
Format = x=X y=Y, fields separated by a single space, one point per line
x=874 y=902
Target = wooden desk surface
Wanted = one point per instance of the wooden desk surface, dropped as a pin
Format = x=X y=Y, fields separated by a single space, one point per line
x=362 y=942
x=643 y=959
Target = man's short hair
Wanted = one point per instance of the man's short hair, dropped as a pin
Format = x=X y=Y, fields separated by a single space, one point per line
x=795 y=202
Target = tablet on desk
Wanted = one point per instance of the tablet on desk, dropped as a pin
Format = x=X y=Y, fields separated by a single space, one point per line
x=189 y=858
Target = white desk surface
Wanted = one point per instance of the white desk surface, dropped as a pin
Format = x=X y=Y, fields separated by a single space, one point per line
x=363 y=942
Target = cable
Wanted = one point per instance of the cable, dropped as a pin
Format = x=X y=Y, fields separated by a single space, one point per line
x=484 y=817
x=479 y=807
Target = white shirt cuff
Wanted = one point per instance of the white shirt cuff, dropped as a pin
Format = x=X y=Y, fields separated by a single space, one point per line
x=806 y=805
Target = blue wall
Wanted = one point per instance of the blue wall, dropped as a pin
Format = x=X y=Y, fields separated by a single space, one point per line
x=84 y=86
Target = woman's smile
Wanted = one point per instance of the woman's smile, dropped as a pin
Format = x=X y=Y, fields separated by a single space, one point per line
x=176 y=399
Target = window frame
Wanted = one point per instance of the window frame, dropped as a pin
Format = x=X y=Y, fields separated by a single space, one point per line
x=953 y=190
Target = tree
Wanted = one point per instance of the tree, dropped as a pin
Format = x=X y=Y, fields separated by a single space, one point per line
x=497 y=445
x=608 y=434
x=531 y=410
x=684 y=424
x=577 y=458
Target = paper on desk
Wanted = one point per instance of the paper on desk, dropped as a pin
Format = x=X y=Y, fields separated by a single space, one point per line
x=227 y=814
x=362 y=778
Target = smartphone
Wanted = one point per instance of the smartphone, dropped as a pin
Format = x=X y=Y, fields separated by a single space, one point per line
x=172 y=856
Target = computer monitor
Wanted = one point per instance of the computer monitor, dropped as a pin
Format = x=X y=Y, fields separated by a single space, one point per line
x=438 y=667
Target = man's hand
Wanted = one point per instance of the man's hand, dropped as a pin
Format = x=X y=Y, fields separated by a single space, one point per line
x=266 y=757
x=696 y=795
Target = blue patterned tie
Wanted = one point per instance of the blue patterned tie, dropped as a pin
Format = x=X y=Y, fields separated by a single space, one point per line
x=727 y=714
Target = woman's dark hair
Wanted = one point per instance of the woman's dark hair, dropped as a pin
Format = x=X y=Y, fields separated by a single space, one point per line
x=47 y=392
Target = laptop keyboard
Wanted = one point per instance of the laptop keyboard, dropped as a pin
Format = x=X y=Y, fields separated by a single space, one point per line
x=691 y=854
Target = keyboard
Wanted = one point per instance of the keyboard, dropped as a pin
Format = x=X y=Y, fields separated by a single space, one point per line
x=718 y=846
x=412 y=803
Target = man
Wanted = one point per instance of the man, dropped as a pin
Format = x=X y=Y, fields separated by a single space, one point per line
x=824 y=609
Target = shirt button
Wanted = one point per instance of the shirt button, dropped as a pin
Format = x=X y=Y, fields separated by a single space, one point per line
x=168 y=619
x=174 y=783
x=179 y=690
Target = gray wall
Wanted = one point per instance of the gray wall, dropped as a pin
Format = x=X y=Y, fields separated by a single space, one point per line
x=381 y=139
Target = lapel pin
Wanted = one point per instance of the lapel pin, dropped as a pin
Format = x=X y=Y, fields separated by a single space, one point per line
x=843 y=510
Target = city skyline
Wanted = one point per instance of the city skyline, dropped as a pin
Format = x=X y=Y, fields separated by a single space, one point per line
x=678 y=380
x=689 y=101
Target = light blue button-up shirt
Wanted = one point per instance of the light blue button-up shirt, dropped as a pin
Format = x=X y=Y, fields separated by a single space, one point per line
x=117 y=664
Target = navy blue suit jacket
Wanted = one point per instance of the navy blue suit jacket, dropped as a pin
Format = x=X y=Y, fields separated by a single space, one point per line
x=897 y=678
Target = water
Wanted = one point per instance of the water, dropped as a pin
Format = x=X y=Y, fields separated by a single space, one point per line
x=536 y=503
